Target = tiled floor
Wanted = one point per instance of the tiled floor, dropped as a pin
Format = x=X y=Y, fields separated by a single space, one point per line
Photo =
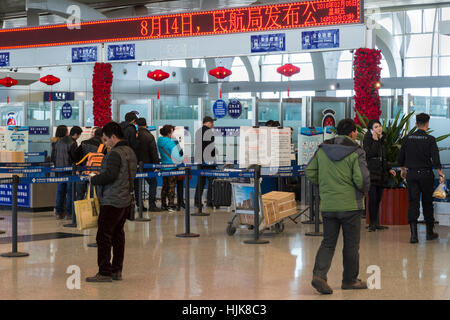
x=159 y=265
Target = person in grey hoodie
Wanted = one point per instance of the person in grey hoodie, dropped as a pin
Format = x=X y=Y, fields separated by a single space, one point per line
x=115 y=180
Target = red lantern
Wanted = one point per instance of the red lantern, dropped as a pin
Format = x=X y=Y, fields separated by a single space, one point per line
x=220 y=73
x=8 y=82
x=158 y=75
x=288 y=70
x=50 y=80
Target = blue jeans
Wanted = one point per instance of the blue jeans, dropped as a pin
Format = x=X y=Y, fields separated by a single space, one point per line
x=64 y=193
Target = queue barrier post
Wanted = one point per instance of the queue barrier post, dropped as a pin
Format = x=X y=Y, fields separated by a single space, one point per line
x=311 y=205
x=256 y=209
x=316 y=232
x=73 y=224
x=187 y=221
x=140 y=218
x=14 y=253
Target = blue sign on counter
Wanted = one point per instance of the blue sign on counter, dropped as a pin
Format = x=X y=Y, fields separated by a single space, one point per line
x=220 y=109
x=268 y=42
x=23 y=195
x=4 y=59
x=234 y=108
x=84 y=54
x=66 y=111
x=39 y=131
x=121 y=52
x=60 y=96
x=321 y=39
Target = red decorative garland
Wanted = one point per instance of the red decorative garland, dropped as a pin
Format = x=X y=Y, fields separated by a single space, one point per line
x=101 y=86
x=367 y=71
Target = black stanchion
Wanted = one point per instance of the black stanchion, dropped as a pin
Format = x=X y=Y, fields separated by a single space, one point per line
x=14 y=253
x=187 y=202
x=316 y=232
x=256 y=197
x=73 y=224
x=140 y=218
x=311 y=205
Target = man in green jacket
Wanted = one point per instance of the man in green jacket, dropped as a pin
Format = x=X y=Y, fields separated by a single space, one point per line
x=340 y=169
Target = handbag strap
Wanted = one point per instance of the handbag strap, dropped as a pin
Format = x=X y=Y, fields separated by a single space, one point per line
x=167 y=154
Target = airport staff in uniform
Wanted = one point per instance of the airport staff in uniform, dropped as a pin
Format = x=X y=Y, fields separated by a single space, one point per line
x=420 y=154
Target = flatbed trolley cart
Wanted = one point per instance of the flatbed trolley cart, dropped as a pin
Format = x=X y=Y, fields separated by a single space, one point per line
x=243 y=212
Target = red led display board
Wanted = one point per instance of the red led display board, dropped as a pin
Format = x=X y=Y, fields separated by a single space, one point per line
x=251 y=19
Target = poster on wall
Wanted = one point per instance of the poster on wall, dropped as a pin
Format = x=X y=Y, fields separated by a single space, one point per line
x=268 y=147
x=309 y=140
x=3 y=134
x=17 y=139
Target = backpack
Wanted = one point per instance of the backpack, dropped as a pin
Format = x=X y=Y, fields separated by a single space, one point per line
x=94 y=159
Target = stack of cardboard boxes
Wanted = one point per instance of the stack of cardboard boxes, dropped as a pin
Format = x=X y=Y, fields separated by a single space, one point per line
x=278 y=205
x=11 y=156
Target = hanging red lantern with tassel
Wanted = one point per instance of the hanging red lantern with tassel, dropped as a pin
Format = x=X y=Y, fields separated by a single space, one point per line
x=288 y=70
x=220 y=73
x=50 y=80
x=158 y=75
x=8 y=82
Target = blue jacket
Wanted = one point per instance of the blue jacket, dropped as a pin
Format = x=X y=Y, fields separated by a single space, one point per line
x=171 y=148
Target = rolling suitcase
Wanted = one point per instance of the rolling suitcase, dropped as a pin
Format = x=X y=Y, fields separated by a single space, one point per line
x=221 y=193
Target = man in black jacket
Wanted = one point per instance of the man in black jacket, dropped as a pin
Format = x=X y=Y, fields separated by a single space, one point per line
x=130 y=131
x=420 y=154
x=148 y=154
x=130 y=135
x=205 y=156
x=115 y=181
x=65 y=156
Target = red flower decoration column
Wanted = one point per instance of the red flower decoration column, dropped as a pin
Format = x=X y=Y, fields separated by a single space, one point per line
x=101 y=86
x=367 y=73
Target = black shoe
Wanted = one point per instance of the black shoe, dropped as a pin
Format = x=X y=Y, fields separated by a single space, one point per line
x=178 y=208
x=154 y=209
x=164 y=208
x=117 y=276
x=356 y=285
x=99 y=278
x=413 y=227
x=431 y=235
x=381 y=228
x=321 y=285
x=372 y=228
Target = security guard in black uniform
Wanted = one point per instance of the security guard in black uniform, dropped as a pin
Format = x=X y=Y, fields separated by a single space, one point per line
x=419 y=153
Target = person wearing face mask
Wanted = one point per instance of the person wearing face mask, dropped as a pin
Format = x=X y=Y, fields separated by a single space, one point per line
x=375 y=148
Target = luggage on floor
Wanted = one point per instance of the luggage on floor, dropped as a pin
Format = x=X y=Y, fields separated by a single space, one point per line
x=221 y=193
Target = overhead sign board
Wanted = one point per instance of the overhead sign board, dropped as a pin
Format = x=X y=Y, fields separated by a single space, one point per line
x=268 y=42
x=306 y=14
x=321 y=39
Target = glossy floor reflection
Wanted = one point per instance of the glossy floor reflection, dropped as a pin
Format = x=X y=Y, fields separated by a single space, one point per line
x=159 y=265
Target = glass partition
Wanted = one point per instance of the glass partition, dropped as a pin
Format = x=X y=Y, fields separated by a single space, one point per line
x=268 y=109
x=179 y=111
x=70 y=121
x=228 y=146
x=293 y=116
x=320 y=105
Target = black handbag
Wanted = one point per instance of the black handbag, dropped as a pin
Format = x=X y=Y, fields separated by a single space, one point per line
x=131 y=211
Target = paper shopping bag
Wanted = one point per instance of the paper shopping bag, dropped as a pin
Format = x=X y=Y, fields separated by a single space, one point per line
x=87 y=211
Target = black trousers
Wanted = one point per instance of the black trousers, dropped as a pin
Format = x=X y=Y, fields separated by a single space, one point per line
x=375 y=196
x=180 y=194
x=110 y=233
x=351 y=226
x=201 y=186
x=420 y=183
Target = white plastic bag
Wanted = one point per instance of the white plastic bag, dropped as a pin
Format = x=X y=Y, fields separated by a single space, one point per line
x=441 y=191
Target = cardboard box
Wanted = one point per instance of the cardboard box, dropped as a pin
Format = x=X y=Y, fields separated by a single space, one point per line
x=11 y=156
x=278 y=205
